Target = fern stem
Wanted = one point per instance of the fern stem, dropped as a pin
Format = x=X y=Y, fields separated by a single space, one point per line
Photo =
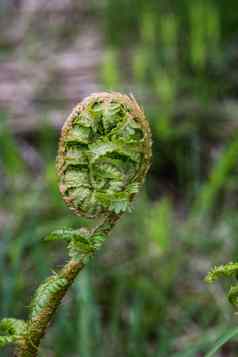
x=37 y=326
x=28 y=346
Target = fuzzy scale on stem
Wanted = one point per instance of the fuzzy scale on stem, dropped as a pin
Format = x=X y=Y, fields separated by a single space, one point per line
x=104 y=155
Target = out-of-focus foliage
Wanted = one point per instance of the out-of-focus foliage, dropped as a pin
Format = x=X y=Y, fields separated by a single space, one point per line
x=144 y=294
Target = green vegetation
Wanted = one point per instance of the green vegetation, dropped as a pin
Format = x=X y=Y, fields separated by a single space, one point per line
x=104 y=155
x=145 y=294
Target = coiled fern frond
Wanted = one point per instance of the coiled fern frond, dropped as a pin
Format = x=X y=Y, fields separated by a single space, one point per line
x=104 y=155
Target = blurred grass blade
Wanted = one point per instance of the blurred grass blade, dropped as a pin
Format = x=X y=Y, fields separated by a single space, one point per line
x=86 y=319
x=221 y=341
x=218 y=178
x=9 y=150
x=110 y=69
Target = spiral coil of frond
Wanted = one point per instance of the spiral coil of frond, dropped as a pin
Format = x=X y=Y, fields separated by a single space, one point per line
x=104 y=154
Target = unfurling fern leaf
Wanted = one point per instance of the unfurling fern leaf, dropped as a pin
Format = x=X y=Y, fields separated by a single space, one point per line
x=227 y=270
x=104 y=155
x=110 y=130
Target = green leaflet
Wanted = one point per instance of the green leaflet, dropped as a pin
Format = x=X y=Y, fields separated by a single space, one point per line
x=75 y=155
x=130 y=132
x=227 y=270
x=98 y=240
x=109 y=171
x=82 y=248
x=132 y=152
x=76 y=178
x=64 y=234
x=233 y=295
x=6 y=340
x=101 y=148
x=81 y=243
x=109 y=114
x=46 y=292
x=119 y=206
x=133 y=188
x=110 y=117
x=107 y=146
x=12 y=326
x=86 y=120
x=80 y=195
x=114 y=187
x=118 y=202
x=79 y=134
x=14 y=329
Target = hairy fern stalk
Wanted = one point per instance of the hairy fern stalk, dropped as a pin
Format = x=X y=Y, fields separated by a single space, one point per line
x=104 y=155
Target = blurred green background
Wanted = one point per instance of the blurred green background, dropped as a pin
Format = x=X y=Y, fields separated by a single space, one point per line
x=144 y=294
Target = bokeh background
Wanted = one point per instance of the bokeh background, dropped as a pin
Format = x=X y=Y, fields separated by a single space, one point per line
x=144 y=293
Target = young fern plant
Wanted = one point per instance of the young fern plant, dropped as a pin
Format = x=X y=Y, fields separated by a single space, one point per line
x=229 y=270
x=104 y=155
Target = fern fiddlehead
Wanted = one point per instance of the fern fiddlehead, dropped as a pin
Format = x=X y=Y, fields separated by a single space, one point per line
x=104 y=155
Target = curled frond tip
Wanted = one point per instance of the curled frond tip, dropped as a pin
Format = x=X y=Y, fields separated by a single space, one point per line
x=104 y=154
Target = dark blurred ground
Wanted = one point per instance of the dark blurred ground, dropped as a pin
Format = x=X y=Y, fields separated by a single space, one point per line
x=144 y=294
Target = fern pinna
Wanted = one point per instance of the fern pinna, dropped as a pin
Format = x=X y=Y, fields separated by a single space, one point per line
x=229 y=270
x=104 y=155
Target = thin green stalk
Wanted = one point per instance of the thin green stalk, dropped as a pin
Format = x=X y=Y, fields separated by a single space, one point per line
x=36 y=329
x=37 y=326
